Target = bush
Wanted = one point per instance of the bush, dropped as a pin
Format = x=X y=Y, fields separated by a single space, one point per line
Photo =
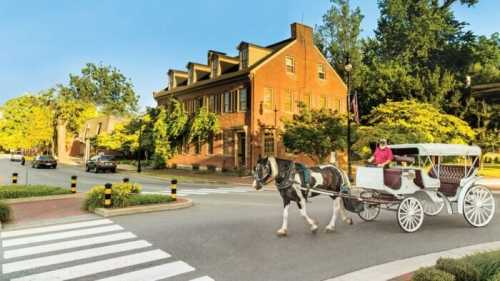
x=495 y=277
x=146 y=199
x=488 y=264
x=432 y=274
x=158 y=162
x=4 y=212
x=22 y=191
x=461 y=269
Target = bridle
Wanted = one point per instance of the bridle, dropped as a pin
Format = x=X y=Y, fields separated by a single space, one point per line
x=268 y=177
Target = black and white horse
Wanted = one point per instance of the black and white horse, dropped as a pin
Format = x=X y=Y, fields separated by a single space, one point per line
x=293 y=181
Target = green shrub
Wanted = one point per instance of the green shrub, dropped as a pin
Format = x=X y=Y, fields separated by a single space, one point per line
x=461 y=269
x=4 y=212
x=146 y=199
x=432 y=274
x=488 y=263
x=22 y=191
x=120 y=196
x=495 y=277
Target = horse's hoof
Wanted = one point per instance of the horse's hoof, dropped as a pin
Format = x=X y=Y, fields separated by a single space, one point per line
x=282 y=233
x=349 y=221
x=314 y=229
x=329 y=229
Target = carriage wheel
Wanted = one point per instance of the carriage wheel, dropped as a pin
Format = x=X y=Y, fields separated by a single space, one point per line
x=370 y=211
x=410 y=214
x=432 y=208
x=479 y=206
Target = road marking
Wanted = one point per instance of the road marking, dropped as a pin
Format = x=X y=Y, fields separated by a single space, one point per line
x=154 y=273
x=67 y=245
x=204 y=278
x=38 y=230
x=96 y=267
x=73 y=256
x=60 y=235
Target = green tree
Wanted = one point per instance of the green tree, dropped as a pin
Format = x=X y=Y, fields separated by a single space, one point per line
x=119 y=139
x=203 y=125
x=412 y=122
x=26 y=123
x=339 y=36
x=315 y=132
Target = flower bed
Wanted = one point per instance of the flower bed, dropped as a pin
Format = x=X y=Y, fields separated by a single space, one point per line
x=478 y=267
x=23 y=191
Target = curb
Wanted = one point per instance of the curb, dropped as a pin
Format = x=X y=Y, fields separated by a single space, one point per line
x=397 y=268
x=190 y=181
x=144 y=209
x=44 y=198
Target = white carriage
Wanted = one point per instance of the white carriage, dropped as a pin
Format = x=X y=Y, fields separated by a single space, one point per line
x=421 y=183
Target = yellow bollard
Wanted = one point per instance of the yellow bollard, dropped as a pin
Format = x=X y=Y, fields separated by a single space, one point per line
x=107 y=195
x=173 y=189
x=14 y=178
x=126 y=180
x=73 y=184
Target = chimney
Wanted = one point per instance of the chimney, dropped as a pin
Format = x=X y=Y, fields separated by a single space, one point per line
x=302 y=32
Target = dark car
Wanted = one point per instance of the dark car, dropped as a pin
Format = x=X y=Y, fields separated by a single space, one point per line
x=100 y=163
x=44 y=161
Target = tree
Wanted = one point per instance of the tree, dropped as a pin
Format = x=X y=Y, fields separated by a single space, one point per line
x=412 y=122
x=26 y=123
x=119 y=139
x=203 y=125
x=315 y=132
x=339 y=36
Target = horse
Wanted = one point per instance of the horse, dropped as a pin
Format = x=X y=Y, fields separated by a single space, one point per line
x=289 y=177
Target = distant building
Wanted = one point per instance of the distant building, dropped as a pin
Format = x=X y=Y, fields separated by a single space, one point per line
x=251 y=92
x=489 y=92
x=81 y=146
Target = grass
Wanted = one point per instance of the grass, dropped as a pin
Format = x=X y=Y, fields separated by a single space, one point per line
x=4 y=212
x=23 y=191
x=147 y=199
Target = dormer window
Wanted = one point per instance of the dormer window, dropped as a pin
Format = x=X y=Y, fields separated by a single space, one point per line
x=290 y=64
x=321 y=71
x=215 y=68
x=244 y=58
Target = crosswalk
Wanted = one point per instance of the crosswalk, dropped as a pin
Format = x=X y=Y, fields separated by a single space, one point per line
x=205 y=191
x=87 y=250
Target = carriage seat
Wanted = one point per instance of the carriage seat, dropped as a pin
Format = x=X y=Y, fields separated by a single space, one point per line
x=449 y=177
x=392 y=178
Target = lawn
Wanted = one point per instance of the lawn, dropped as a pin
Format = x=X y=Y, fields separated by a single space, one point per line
x=23 y=191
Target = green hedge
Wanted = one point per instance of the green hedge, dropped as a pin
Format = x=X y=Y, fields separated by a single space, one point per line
x=461 y=269
x=4 y=212
x=432 y=274
x=122 y=195
x=22 y=191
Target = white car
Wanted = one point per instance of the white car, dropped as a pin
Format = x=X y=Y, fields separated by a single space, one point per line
x=16 y=156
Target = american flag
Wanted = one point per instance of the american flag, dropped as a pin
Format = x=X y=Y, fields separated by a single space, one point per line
x=354 y=107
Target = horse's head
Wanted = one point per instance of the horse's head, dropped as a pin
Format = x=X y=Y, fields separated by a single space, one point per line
x=265 y=172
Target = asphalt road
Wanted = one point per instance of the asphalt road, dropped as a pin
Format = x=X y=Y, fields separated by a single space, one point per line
x=232 y=237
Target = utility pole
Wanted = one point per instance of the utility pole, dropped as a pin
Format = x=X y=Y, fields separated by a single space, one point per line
x=348 y=69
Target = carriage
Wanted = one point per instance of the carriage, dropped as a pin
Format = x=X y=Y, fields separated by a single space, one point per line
x=423 y=183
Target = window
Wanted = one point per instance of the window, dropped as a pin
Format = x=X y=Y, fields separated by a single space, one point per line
x=197 y=147
x=210 y=144
x=211 y=103
x=243 y=100
x=227 y=102
x=268 y=142
x=290 y=64
x=198 y=103
x=288 y=100
x=268 y=98
x=321 y=72
x=227 y=146
x=244 y=58
x=215 y=68
x=323 y=102
x=307 y=100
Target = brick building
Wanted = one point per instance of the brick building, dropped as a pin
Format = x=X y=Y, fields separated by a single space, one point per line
x=252 y=93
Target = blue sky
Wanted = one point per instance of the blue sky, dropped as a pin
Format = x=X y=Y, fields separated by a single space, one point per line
x=41 y=42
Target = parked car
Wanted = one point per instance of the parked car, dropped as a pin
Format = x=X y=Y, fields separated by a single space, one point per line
x=16 y=156
x=100 y=163
x=44 y=161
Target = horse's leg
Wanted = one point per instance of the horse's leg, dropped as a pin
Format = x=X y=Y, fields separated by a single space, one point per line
x=283 y=231
x=303 y=209
x=331 y=226
x=343 y=213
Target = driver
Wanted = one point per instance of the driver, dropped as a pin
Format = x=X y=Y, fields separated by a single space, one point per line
x=383 y=154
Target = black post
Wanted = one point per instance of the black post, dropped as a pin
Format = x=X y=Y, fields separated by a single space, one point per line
x=139 y=168
x=348 y=68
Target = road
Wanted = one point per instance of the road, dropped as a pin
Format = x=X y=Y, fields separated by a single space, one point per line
x=231 y=236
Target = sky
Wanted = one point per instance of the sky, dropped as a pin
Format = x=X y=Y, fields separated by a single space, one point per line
x=43 y=41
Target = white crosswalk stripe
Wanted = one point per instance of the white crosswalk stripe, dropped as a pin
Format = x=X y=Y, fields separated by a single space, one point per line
x=100 y=253
x=204 y=191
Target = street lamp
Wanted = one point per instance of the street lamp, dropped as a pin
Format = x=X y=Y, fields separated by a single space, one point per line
x=348 y=70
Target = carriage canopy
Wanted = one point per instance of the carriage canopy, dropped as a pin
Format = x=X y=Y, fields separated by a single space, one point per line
x=435 y=149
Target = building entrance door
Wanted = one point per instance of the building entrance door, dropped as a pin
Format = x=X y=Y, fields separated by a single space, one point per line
x=242 y=140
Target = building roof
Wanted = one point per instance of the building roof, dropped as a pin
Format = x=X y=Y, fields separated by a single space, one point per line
x=489 y=92
x=230 y=75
